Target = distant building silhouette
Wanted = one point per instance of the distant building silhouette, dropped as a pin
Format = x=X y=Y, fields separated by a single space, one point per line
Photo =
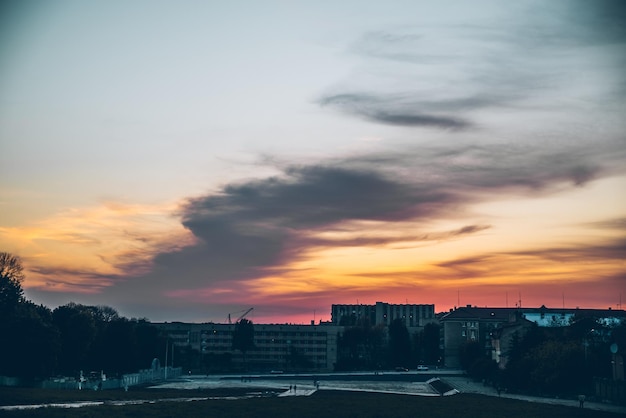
x=314 y=347
x=278 y=346
x=383 y=313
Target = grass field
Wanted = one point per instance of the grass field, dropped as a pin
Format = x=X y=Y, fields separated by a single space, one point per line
x=321 y=404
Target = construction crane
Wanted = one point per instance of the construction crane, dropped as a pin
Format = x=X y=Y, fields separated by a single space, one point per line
x=245 y=312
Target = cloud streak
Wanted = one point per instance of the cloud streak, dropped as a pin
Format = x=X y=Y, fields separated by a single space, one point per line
x=394 y=111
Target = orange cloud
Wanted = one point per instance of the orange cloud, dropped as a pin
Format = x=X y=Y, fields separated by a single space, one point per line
x=87 y=249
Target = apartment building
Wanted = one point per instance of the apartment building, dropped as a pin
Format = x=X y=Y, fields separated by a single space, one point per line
x=278 y=346
x=383 y=313
x=493 y=327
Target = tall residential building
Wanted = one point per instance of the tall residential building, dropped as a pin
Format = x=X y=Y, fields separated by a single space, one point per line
x=383 y=313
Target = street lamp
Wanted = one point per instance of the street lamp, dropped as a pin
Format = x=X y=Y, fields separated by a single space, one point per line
x=167 y=346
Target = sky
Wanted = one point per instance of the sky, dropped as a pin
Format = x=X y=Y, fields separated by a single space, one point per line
x=183 y=161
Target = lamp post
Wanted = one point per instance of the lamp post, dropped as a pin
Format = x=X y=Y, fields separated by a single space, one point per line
x=586 y=342
x=615 y=358
x=167 y=345
x=171 y=360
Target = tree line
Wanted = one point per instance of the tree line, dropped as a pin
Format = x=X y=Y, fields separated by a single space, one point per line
x=36 y=341
x=363 y=346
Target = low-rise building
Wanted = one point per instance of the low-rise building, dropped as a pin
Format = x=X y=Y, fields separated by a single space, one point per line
x=493 y=328
x=278 y=346
x=470 y=324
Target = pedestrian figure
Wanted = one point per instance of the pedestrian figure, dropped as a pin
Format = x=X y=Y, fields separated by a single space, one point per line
x=499 y=390
x=581 y=401
x=290 y=388
x=295 y=389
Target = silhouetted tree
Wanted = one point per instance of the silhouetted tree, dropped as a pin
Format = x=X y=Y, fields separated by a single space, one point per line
x=297 y=359
x=399 y=344
x=11 y=277
x=348 y=346
x=37 y=342
x=557 y=366
x=117 y=346
x=361 y=347
x=103 y=314
x=149 y=343
x=470 y=352
x=78 y=330
x=243 y=337
x=427 y=344
x=561 y=360
x=29 y=342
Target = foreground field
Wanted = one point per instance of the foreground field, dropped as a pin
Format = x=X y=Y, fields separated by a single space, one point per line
x=321 y=404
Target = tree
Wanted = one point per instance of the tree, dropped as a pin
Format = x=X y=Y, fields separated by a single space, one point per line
x=350 y=352
x=28 y=339
x=470 y=352
x=149 y=344
x=11 y=277
x=427 y=344
x=399 y=343
x=78 y=332
x=29 y=342
x=117 y=347
x=243 y=337
x=361 y=347
x=556 y=367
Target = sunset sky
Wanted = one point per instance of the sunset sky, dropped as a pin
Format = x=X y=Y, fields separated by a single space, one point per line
x=183 y=160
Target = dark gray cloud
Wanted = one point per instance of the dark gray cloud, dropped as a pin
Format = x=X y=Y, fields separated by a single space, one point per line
x=393 y=111
x=309 y=196
x=259 y=223
x=521 y=168
x=250 y=226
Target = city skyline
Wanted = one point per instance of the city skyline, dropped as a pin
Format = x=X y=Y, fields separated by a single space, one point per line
x=185 y=161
